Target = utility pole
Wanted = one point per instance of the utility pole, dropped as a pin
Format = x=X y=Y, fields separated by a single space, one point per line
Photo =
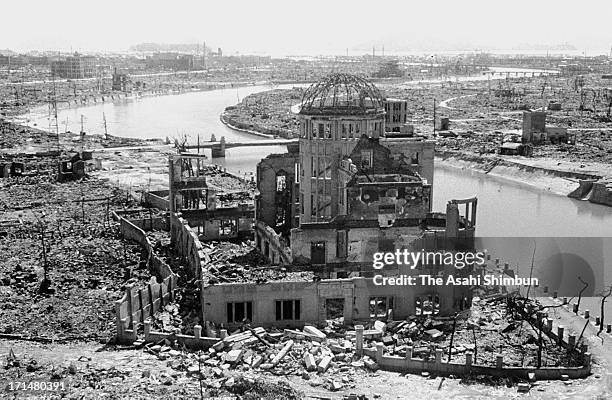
x=82 y=134
x=450 y=347
x=45 y=285
x=434 y=117
x=105 y=127
x=53 y=116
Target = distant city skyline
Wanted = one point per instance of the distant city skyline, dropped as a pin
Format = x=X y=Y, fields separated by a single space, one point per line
x=315 y=28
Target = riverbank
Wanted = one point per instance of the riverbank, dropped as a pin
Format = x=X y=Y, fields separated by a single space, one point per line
x=494 y=167
x=240 y=127
x=579 y=181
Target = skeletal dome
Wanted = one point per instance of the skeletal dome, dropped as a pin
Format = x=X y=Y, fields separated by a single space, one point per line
x=344 y=94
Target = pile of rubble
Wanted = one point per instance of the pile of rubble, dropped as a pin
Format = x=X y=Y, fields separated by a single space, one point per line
x=222 y=181
x=325 y=358
x=241 y=262
x=309 y=353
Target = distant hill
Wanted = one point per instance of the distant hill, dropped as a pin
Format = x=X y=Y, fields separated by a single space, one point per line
x=543 y=47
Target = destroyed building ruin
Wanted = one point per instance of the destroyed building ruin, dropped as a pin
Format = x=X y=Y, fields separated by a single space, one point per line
x=396 y=115
x=536 y=132
x=76 y=66
x=348 y=192
x=196 y=200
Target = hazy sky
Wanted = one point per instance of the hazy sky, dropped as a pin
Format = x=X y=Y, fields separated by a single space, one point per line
x=304 y=27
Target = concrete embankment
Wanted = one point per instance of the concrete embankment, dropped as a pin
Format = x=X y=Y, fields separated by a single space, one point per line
x=582 y=186
x=595 y=191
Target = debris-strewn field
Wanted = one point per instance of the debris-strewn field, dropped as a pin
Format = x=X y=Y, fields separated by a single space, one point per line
x=62 y=261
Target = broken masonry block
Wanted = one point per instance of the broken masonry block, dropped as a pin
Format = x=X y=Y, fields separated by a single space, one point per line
x=257 y=360
x=282 y=353
x=370 y=364
x=324 y=364
x=311 y=330
x=233 y=356
x=309 y=360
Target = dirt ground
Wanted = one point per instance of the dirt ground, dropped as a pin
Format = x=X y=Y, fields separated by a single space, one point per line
x=96 y=371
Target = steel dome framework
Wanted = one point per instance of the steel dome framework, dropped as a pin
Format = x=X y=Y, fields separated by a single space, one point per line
x=341 y=93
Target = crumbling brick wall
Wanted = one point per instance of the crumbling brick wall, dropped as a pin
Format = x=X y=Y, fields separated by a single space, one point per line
x=132 y=232
x=187 y=245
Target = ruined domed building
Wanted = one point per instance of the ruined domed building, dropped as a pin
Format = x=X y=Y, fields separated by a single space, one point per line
x=353 y=178
x=349 y=190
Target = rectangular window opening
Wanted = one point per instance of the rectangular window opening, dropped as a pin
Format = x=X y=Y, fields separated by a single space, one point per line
x=288 y=310
x=239 y=312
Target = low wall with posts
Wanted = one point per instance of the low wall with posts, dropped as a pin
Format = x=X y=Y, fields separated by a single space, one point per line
x=439 y=367
x=187 y=245
x=445 y=368
x=136 y=306
x=195 y=342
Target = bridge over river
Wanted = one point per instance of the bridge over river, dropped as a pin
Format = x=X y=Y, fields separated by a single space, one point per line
x=218 y=147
